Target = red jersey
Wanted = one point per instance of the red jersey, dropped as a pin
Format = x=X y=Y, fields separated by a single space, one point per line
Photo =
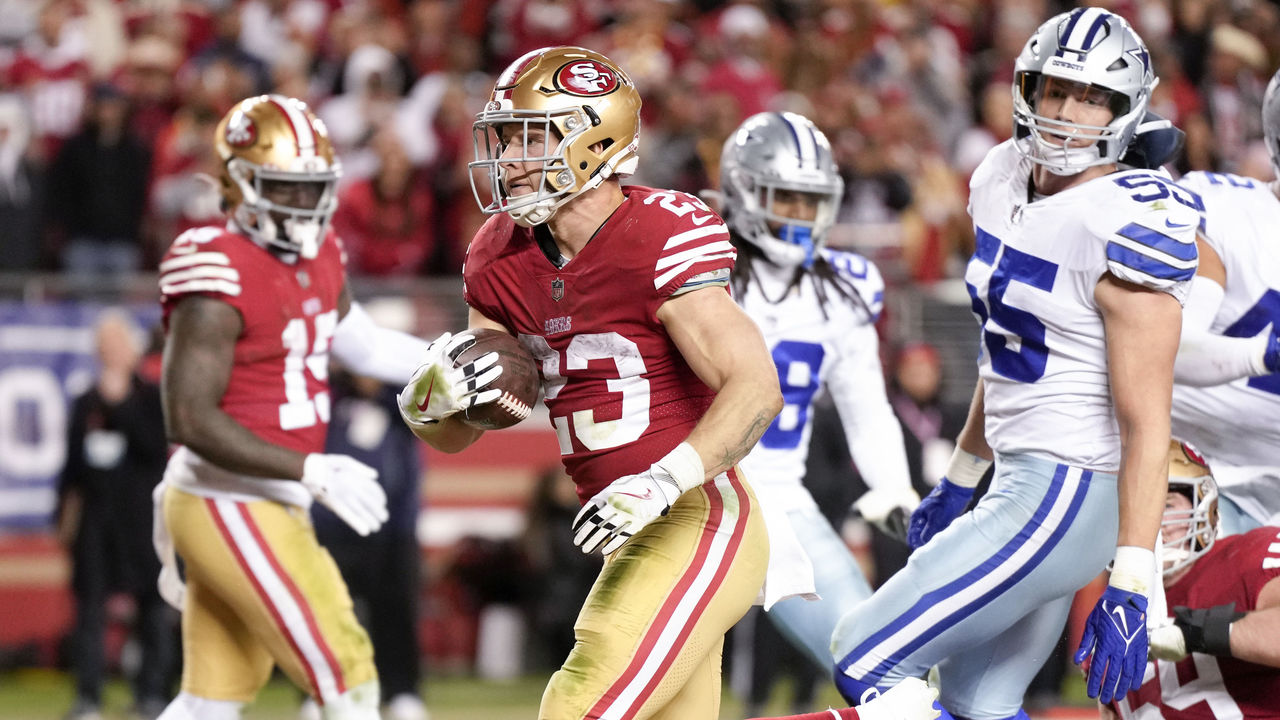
x=1204 y=687
x=279 y=385
x=619 y=393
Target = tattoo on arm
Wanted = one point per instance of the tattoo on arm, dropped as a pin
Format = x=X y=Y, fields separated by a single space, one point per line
x=754 y=430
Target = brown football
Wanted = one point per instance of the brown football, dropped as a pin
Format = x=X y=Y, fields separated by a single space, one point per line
x=518 y=382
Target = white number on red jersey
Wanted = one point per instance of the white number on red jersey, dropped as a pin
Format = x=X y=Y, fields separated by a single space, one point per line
x=301 y=410
x=1206 y=687
x=629 y=382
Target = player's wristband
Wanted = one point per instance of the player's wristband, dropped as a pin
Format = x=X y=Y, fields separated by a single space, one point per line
x=966 y=469
x=684 y=465
x=1133 y=569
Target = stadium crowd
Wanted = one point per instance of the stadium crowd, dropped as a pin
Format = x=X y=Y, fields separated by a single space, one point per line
x=100 y=99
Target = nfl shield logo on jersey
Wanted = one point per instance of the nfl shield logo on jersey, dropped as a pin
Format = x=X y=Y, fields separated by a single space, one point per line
x=557 y=289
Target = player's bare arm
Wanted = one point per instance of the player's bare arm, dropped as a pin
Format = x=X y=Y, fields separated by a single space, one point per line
x=1255 y=637
x=973 y=436
x=1142 y=328
x=725 y=349
x=451 y=435
x=198 y=357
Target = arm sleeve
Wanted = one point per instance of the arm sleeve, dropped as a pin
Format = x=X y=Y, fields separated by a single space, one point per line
x=871 y=429
x=1206 y=358
x=367 y=349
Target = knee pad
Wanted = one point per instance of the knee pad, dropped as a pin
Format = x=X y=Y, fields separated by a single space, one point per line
x=357 y=703
x=189 y=707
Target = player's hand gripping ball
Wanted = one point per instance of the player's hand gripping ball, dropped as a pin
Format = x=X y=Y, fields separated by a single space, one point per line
x=518 y=382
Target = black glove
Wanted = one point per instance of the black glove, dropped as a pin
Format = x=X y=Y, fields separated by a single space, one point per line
x=1207 y=630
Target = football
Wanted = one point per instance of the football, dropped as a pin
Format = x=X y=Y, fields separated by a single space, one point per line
x=518 y=382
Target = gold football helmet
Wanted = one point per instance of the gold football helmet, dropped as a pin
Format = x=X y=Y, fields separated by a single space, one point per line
x=1189 y=475
x=279 y=172
x=589 y=112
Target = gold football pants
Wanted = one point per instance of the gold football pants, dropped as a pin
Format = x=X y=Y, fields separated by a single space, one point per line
x=261 y=591
x=650 y=634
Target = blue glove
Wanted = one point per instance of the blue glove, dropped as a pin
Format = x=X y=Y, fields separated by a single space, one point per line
x=1271 y=358
x=936 y=511
x=1116 y=636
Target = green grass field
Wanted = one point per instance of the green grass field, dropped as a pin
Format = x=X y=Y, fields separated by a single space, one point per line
x=46 y=695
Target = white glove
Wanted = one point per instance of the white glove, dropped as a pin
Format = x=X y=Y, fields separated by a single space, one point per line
x=1166 y=642
x=629 y=503
x=911 y=699
x=349 y=488
x=889 y=509
x=437 y=389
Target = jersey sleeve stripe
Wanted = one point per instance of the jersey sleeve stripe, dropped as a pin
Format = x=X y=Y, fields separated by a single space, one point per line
x=666 y=277
x=1148 y=265
x=200 y=258
x=201 y=271
x=668 y=260
x=205 y=285
x=694 y=234
x=1158 y=241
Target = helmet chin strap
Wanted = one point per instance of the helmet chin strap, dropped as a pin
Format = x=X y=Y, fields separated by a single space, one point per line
x=542 y=210
x=306 y=233
x=1064 y=161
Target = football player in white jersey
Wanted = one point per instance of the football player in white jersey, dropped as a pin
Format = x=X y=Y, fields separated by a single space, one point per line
x=817 y=308
x=1227 y=398
x=1080 y=268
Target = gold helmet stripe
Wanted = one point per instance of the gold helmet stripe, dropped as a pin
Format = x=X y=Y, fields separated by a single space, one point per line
x=301 y=126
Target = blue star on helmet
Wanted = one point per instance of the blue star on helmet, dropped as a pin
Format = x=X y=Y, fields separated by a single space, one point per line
x=1142 y=55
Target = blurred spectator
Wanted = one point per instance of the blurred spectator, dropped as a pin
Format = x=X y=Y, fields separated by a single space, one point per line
x=21 y=189
x=116 y=452
x=98 y=189
x=1233 y=91
x=51 y=69
x=743 y=71
x=524 y=25
x=561 y=575
x=669 y=152
x=381 y=570
x=995 y=110
x=271 y=27
x=374 y=86
x=184 y=193
x=929 y=429
x=387 y=222
x=147 y=77
x=224 y=56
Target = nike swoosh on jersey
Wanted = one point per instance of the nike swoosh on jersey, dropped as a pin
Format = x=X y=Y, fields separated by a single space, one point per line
x=422 y=406
x=700 y=220
x=1170 y=224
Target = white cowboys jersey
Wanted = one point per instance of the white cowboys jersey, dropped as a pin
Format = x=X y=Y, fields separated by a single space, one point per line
x=838 y=351
x=1238 y=423
x=1031 y=280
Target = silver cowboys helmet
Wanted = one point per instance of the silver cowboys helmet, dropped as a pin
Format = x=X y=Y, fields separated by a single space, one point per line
x=1189 y=475
x=771 y=152
x=1096 y=48
x=1271 y=122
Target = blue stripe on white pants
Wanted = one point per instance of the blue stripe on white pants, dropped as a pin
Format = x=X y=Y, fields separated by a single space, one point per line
x=838 y=580
x=1042 y=532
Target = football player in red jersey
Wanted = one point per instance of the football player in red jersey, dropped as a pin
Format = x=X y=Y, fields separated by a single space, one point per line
x=656 y=382
x=1218 y=656
x=252 y=311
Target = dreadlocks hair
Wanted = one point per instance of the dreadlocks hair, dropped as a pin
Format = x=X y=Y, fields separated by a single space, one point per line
x=825 y=277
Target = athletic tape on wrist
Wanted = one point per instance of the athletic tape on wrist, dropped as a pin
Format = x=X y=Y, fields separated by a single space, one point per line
x=1132 y=569
x=966 y=469
x=684 y=465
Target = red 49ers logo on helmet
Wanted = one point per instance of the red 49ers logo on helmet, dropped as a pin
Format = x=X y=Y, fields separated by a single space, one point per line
x=241 y=131
x=587 y=78
x=1194 y=455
